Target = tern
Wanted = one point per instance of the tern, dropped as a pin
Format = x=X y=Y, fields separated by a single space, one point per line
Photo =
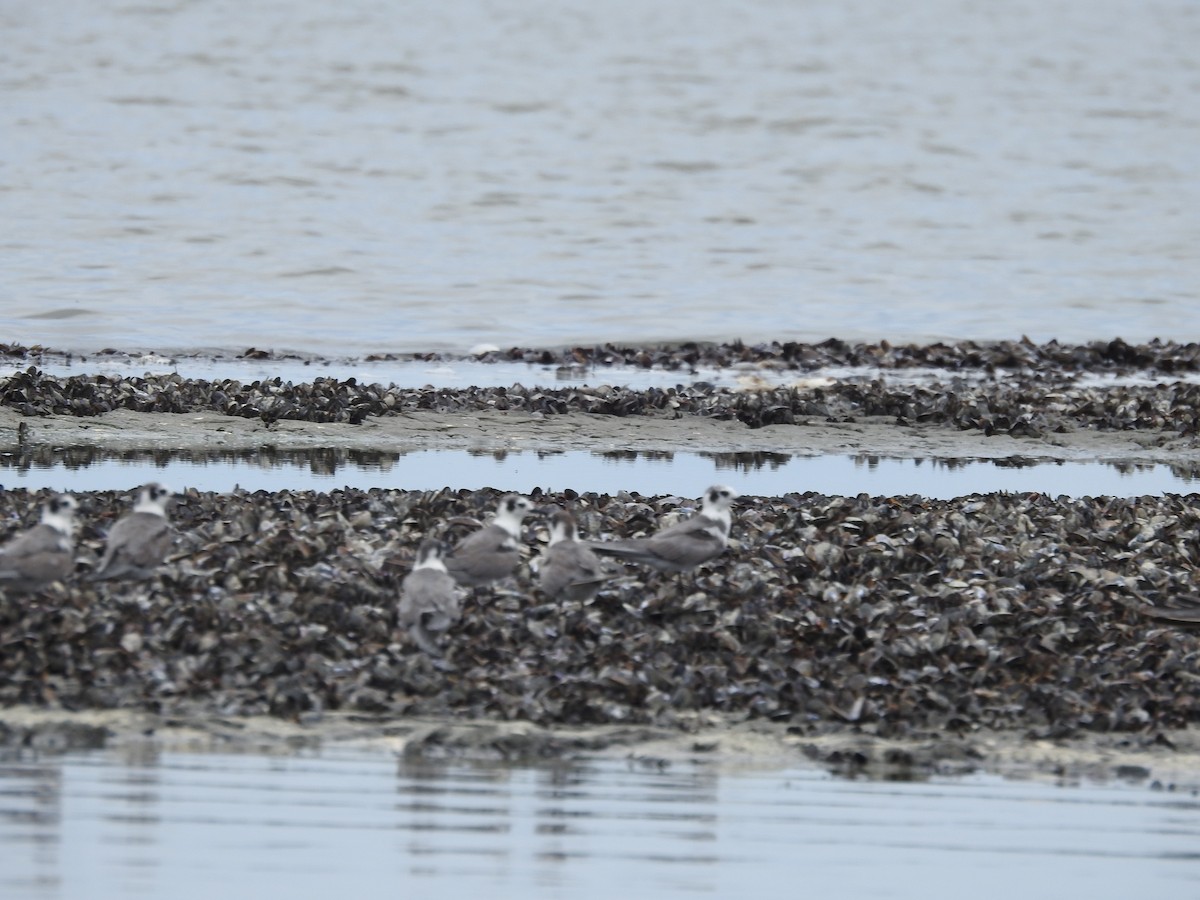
x=494 y=551
x=569 y=567
x=43 y=554
x=140 y=540
x=429 y=598
x=685 y=545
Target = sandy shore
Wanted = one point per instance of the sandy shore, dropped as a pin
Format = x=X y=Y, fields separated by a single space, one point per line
x=122 y=430
x=726 y=745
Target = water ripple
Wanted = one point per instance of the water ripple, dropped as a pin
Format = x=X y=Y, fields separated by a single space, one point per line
x=344 y=821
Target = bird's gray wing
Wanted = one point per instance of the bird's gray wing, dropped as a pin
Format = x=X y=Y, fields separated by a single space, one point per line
x=489 y=539
x=429 y=598
x=487 y=555
x=570 y=564
x=557 y=570
x=683 y=545
x=429 y=605
x=136 y=543
x=576 y=561
x=41 y=554
x=689 y=543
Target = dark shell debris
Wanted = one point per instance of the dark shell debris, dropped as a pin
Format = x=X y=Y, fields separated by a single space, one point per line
x=897 y=616
x=1051 y=358
x=1029 y=390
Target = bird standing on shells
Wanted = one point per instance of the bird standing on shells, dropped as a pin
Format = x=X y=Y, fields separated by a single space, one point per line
x=685 y=545
x=140 y=540
x=43 y=554
x=429 y=597
x=569 y=567
x=494 y=551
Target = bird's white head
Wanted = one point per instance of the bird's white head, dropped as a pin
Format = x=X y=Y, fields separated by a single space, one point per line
x=719 y=497
x=153 y=498
x=59 y=513
x=563 y=527
x=512 y=510
x=430 y=555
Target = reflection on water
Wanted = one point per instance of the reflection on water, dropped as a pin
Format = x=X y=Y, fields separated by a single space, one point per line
x=644 y=472
x=363 y=823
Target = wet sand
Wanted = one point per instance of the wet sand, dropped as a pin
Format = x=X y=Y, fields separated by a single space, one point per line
x=1170 y=756
x=722 y=742
x=122 y=430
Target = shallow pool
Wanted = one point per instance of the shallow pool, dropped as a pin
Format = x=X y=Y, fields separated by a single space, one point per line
x=684 y=474
x=366 y=823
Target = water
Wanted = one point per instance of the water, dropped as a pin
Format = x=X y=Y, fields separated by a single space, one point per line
x=651 y=474
x=369 y=177
x=349 y=823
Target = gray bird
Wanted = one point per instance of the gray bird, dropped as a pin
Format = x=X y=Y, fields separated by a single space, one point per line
x=569 y=567
x=685 y=545
x=140 y=540
x=429 y=597
x=494 y=551
x=43 y=554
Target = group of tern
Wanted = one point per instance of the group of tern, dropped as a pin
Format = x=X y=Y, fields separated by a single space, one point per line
x=570 y=568
x=137 y=543
x=431 y=594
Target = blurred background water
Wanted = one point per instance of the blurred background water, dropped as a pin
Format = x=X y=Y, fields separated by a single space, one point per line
x=366 y=177
x=366 y=824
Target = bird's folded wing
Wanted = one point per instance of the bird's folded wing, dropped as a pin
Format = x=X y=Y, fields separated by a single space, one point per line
x=688 y=544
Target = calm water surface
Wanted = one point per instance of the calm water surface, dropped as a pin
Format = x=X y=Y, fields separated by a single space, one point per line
x=367 y=176
x=347 y=823
x=650 y=474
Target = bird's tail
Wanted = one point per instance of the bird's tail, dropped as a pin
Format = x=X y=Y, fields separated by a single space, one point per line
x=424 y=640
x=633 y=551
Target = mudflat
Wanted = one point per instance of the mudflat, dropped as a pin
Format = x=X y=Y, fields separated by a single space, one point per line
x=1011 y=632
x=121 y=430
